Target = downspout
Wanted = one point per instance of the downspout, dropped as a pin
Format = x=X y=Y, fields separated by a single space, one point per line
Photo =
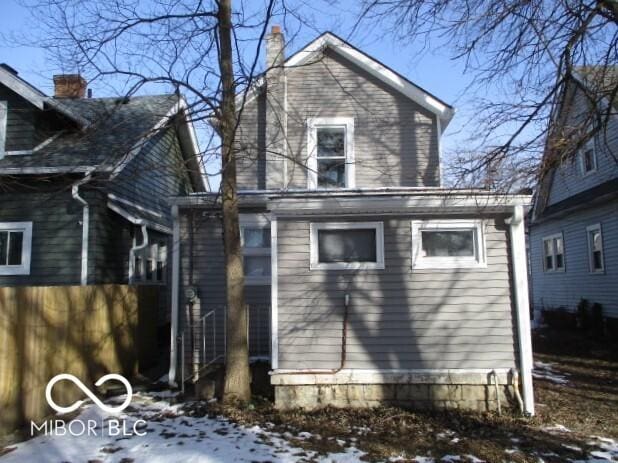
x=85 y=225
x=136 y=248
x=171 y=376
x=520 y=281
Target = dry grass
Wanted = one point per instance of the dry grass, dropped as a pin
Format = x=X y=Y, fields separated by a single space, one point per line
x=587 y=405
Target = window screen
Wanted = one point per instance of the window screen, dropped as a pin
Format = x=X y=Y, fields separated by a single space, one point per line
x=447 y=243
x=354 y=245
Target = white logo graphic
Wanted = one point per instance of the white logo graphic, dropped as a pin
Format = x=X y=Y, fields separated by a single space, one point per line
x=88 y=392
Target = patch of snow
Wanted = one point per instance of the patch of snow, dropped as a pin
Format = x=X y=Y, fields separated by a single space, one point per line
x=575 y=448
x=418 y=459
x=543 y=370
x=170 y=436
x=556 y=428
x=511 y=451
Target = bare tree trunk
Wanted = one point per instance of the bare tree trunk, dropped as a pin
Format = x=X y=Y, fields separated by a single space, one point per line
x=237 y=375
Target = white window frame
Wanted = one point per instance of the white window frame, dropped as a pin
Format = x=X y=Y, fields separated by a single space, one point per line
x=258 y=221
x=3 y=127
x=591 y=269
x=315 y=263
x=552 y=239
x=479 y=260
x=26 y=248
x=582 y=160
x=315 y=123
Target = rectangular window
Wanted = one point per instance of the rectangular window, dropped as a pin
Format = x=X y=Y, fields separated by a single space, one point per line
x=255 y=239
x=595 y=249
x=149 y=264
x=352 y=245
x=330 y=145
x=447 y=244
x=588 y=160
x=15 y=248
x=553 y=253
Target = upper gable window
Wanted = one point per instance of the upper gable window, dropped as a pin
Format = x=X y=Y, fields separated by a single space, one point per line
x=331 y=152
x=588 y=158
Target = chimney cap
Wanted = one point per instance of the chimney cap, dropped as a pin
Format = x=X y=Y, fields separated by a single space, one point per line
x=276 y=29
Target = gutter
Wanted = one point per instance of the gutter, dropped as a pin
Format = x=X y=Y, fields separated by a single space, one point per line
x=85 y=225
x=175 y=296
x=520 y=282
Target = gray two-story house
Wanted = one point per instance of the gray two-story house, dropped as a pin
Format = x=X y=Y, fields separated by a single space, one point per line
x=366 y=280
x=84 y=184
x=574 y=225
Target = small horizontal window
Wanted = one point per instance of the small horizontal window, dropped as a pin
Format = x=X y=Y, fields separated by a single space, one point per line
x=15 y=247
x=347 y=245
x=447 y=244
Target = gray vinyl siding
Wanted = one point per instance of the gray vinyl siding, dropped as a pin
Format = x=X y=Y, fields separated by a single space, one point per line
x=395 y=139
x=399 y=318
x=250 y=136
x=154 y=175
x=566 y=289
x=27 y=126
x=56 y=236
x=568 y=179
x=203 y=266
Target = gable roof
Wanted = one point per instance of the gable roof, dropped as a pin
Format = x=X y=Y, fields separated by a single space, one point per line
x=393 y=79
x=113 y=131
x=601 y=81
x=30 y=93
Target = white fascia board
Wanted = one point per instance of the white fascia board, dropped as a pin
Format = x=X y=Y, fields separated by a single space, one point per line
x=138 y=220
x=426 y=203
x=50 y=170
x=188 y=138
x=376 y=69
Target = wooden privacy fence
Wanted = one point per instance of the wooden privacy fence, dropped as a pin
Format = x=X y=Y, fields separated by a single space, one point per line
x=86 y=331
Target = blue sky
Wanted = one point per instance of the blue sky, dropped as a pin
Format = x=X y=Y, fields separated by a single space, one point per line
x=425 y=64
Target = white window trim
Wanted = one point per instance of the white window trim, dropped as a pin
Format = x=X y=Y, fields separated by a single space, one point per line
x=315 y=263
x=582 y=162
x=26 y=248
x=553 y=248
x=449 y=262
x=591 y=269
x=3 y=127
x=312 y=160
x=255 y=221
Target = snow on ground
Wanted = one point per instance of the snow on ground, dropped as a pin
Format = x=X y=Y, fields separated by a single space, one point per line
x=171 y=436
x=543 y=370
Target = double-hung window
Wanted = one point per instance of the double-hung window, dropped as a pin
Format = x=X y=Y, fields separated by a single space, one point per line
x=553 y=253
x=15 y=248
x=438 y=244
x=595 y=249
x=348 y=245
x=331 y=152
x=255 y=237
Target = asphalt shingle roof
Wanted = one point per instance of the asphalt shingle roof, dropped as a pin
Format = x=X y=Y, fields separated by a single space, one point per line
x=115 y=125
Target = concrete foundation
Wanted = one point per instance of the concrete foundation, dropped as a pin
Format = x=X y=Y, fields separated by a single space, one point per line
x=475 y=397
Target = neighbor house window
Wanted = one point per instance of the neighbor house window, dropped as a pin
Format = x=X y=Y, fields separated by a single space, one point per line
x=553 y=253
x=595 y=249
x=150 y=264
x=330 y=147
x=448 y=244
x=15 y=248
x=588 y=159
x=350 y=245
x=255 y=237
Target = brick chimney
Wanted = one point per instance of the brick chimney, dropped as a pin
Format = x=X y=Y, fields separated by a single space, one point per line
x=69 y=86
x=275 y=111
